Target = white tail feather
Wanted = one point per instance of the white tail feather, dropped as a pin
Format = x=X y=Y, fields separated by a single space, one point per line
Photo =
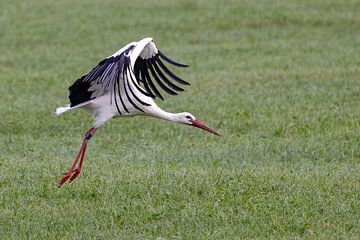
x=61 y=110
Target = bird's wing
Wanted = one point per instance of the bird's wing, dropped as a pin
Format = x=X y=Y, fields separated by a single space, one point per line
x=149 y=66
x=102 y=79
x=125 y=76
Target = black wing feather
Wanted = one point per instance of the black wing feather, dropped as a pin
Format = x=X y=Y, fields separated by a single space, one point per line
x=121 y=66
x=126 y=85
x=143 y=79
x=165 y=79
x=170 y=73
x=171 y=61
x=147 y=78
x=158 y=81
x=78 y=92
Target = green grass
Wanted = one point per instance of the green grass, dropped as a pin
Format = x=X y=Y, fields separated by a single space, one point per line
x=279 y=79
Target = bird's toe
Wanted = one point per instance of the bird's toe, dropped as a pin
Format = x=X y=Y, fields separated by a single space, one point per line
x=75 y=175
x=64 y=179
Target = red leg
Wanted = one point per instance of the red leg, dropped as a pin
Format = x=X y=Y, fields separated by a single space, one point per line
x=69 y=173
x=77 y=171
x=72 y=174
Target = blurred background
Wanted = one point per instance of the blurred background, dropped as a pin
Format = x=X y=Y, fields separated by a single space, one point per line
x=279 y=79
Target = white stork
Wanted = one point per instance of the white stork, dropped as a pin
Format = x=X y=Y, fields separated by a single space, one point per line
x=120 y=86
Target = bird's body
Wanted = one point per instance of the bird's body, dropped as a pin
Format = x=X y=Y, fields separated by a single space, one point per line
x=123 y=85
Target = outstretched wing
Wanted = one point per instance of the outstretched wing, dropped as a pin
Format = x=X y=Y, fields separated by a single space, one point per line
x=125 y=76
x=101 y=80
x=149 y=62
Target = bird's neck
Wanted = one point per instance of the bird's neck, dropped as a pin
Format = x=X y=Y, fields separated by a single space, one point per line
x=172 y=117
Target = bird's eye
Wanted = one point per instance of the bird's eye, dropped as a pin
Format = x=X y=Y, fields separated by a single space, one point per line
x=188 y=117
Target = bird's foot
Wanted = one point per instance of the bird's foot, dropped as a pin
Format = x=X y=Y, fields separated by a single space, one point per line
x=70 y=175
x=65 y=178
x=75 y=174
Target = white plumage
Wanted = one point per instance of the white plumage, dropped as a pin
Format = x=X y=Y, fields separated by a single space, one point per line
x=123 y=84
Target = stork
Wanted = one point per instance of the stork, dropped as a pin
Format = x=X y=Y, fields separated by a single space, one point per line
x=121 y=85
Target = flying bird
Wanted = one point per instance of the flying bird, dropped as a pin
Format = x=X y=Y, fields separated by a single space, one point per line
x=125 y=84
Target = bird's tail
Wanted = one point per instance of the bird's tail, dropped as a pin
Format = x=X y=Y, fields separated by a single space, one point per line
x=61 y=110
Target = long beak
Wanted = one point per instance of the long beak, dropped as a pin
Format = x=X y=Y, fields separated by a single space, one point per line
x=199 y=124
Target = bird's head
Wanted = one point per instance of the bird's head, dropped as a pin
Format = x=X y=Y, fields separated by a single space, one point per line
x=189 y=119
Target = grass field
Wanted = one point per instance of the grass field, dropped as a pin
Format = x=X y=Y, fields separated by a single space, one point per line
x=279 y=79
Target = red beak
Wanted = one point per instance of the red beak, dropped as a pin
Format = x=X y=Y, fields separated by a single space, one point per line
x=199 y=124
